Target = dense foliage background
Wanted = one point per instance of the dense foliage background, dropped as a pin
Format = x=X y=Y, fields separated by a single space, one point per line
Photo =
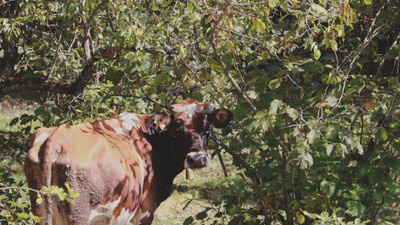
x=314 y=87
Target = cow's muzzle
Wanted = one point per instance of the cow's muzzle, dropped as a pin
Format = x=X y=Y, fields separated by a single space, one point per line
x=196 y=160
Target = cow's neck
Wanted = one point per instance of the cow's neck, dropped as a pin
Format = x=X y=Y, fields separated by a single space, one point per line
x=165 y=164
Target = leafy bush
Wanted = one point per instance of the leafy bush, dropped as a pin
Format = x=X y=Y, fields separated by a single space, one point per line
x=314 y=87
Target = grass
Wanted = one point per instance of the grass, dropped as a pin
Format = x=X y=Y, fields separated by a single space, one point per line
x=195 y=198
x=10 y=109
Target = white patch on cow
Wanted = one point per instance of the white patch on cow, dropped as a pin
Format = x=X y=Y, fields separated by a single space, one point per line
x=120 y=131
x=139 y=216
x=129 y=121
x=103 y=214
x=208 y=108
x=41 y=138
x=124 y=217
x=190 y=109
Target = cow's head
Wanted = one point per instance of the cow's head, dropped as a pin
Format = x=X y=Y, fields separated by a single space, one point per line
x=188 y=126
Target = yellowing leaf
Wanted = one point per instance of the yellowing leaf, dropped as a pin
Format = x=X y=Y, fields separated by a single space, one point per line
x=273 y=3
x=317 y=54
x=368 y=2
x=209 y=18
x=301 y=219
x=258 y=24
x=265 y=55
x=369 y=104
x=275 y=83
x=321 y=104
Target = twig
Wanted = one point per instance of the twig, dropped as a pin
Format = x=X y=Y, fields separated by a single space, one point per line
x=367 y=40
x=87 y=37
x=379 y=70
x=222 y=164
x=248 y=4
x=237 y=157
x=355 y=119
x=21 y=188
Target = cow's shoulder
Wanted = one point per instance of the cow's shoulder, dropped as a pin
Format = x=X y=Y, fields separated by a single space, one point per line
x=41 y=135
x=38 y=138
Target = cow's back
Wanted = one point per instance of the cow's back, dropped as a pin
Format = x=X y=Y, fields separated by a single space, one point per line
x=100 y=164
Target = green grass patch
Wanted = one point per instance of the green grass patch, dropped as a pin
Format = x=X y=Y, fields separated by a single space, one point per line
x=198 y=201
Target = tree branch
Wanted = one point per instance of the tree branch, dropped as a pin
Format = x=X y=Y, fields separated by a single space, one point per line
x=221 y=62
x=43 y=84
x=236 y=157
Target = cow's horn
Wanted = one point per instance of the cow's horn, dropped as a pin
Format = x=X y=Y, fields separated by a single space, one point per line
x=189 y=173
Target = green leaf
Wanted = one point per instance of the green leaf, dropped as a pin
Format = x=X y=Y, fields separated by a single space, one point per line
x=306 y=160
x=300 y=219
x=392 y=163
x=252 y=94
x=39 y=199
x=317 y=54
x=355 y=208
x=214 y=65
x=390 y=184
x=329 y=149
x=160 y=78
x=273 y=3
x=396 y=144
x=292 y=113
x=113 y=74
x=376 y=175
x=191 y=5
x=258 y=24
x=241 y=112
x=310 y=215
x=368 y=2
x=22 y=216
x=383 y=133
x=275 y=83
x=275 y=106
x=378 y=194
x=311 y=136
x=328 y=188
x=318 y=10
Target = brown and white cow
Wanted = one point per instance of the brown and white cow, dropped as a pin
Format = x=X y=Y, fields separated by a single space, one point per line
x=123 y=166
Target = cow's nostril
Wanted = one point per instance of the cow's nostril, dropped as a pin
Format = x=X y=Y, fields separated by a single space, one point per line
x=204 y=160
x=189 y=160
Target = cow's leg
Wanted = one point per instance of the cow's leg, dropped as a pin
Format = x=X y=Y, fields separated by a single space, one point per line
x=65 y=212
x=35 y=183
x=145 y=213
x=33 y=171
x=144 y=216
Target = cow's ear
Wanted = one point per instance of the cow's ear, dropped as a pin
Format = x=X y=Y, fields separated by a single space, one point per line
x=158 y=123
x=220 y=118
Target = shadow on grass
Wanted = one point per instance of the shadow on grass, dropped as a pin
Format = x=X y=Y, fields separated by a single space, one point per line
x=13 y=146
